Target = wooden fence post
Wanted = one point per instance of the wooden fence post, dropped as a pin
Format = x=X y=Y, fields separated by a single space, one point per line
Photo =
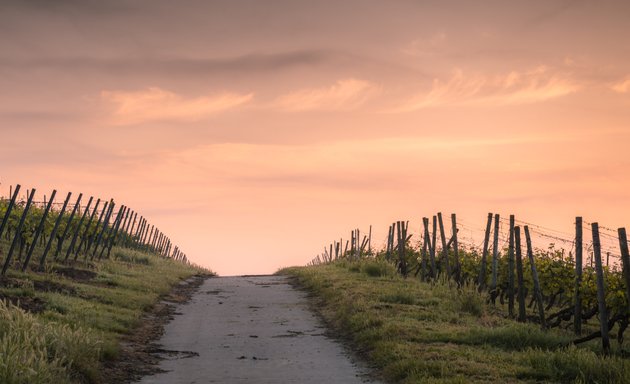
x=104 y=227
x=62 y=239
x=109 y=231
x=94 y=237
x=484 y=259
x=136 y=237
x=130 y=232
x=370 y=241
x=18 y=231
x=7 y=214
x=519 y=275
x=537 y=291
x=511 y=269
x=73 y=242
x=87 y=229
x=125 y=225
x=577 y=314
x=625 y=260
x=601 y=289
x=40 y=229
x=425 y=245
x=391 y=242
x=425 y=222
x=402 y=237
x=495 y=260
x=458 y=267
x=54 y=231
x=117 y=229
x=438 y=267
x=444 y=246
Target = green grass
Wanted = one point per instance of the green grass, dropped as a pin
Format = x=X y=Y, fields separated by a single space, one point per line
x=415 y=332
x=78 y=322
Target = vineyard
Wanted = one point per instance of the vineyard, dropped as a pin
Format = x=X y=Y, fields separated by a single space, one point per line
x=38 y=233
x=552 y=286
x=78 y=278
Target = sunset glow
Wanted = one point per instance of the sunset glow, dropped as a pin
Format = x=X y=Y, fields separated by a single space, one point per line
x=253 y=133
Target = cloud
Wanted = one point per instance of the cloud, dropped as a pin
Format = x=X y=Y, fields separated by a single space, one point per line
x=155 y=104
x=622 y=86
x=516 y=87
x=195 y=66
x=346 y=94
x=427 y=46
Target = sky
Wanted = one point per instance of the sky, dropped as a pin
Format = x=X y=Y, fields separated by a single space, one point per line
x=253 y=133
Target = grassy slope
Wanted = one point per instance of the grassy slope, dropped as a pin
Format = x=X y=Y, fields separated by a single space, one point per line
x=414 y=332
x=73 y=320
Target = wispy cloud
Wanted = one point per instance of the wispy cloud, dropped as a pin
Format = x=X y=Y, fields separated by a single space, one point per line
x=622 y=86
x=346 y=94
x=426 y=46
x=155 y=104
x=524 y=87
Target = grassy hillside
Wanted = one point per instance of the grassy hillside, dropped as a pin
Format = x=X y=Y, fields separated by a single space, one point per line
x=415 y=332
x=64 y=324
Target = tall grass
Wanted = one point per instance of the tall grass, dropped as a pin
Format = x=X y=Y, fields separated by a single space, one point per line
x=33 y=351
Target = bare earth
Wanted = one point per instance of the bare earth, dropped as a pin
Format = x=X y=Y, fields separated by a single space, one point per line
x=251 y=330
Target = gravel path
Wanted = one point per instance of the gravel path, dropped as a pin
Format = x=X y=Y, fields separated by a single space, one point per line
x=251 y=330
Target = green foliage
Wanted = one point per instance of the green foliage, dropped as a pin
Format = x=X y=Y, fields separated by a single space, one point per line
x=377 y=268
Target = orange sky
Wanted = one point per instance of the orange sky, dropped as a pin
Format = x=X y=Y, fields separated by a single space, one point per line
x=255 y=132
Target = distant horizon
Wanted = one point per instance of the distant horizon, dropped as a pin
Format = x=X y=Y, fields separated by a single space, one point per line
x=254 y=133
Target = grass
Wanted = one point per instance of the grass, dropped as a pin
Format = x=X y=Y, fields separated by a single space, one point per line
x=415 y=332
x=65 y=325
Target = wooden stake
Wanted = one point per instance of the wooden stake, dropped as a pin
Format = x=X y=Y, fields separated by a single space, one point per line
x=40 y=229
x=519 y=275
x=458 y=267
x=484 y=260
x=7 y=214
x=427 y=244
x=495 y=260
x=62 y=239
x=434 y=246
x=577 y=314
x=537 y=291
x=18 y=231
x=73 y=242
x=54 y=231
x=511 y=269
x=444 y=247
x=87 y=229
x=625 y=260
x=601 y=289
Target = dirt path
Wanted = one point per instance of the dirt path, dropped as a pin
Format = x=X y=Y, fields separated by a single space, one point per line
x=251 y=329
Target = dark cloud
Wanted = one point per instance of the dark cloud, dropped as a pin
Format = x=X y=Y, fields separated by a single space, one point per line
x=86 y=6
x=551 y=14
x=255 y=62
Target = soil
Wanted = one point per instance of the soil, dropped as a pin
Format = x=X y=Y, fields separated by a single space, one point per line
x=27 y=303
x=140 y=353
x=76 y=274
x=52 y=286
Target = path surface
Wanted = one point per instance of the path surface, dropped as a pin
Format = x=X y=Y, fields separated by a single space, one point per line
x=251 y=330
